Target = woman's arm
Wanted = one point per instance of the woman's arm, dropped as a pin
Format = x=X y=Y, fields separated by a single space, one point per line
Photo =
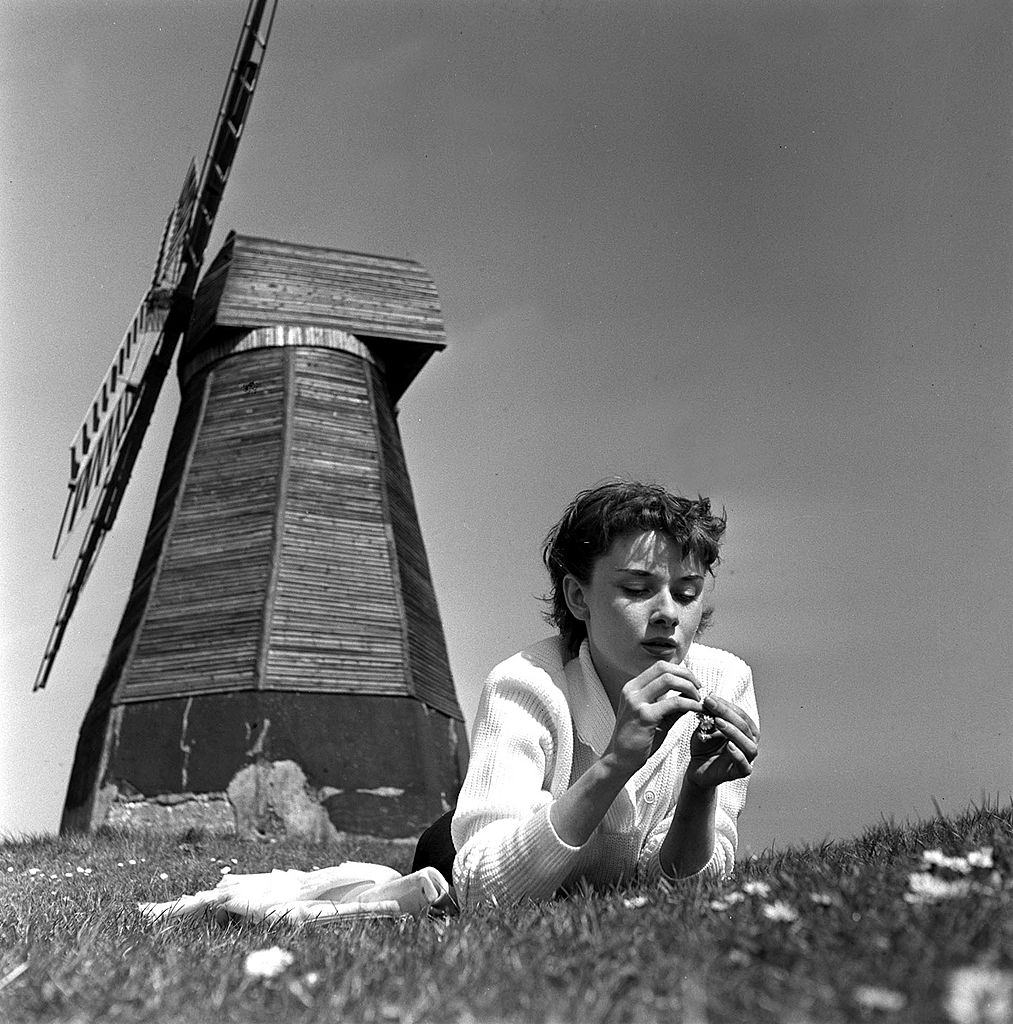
x=654 y=699
x=507 y=848
x=689 y=845
x=514 y=839
x=724 y=753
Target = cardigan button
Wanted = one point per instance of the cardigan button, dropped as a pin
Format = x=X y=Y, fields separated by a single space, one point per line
x=649 y=797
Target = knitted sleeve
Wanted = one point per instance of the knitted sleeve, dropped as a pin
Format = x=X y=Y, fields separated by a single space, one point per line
x=737 y=688
x=507 y=848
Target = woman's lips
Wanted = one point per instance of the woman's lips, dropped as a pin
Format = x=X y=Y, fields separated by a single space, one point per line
x=664 y=649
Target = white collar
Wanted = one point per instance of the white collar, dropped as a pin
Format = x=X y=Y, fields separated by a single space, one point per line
x=594 y=721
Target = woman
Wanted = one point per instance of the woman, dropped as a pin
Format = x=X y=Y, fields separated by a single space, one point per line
x=588 y=762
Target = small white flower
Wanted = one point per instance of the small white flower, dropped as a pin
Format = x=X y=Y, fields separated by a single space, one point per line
x=33 y=871
x=981 y=858
x=938 y=859
x=225 y=870
x=780 y=911
x=979 y=995
x=870 y=997
x=635 y=902
x=735 y=897
x=926 y=887
x=131 y=861
x=119 y=863
x=312 y=978
x=234 y=861
x=719 y=905
x=821 y=899
x=756 y=889
x=163 y=876
x=268 y=963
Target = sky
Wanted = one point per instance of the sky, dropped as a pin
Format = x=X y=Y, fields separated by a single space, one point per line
x=757 y=251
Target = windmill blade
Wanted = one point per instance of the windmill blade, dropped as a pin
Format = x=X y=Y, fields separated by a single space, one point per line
x=232 y=113
x=113 y=484
x=168 y=266
x=100 y=436
x=106 y=448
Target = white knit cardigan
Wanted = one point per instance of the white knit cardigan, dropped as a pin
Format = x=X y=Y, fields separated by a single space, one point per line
x=542 y=721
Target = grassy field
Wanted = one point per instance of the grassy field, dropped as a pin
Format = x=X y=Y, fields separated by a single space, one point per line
x=869 y=929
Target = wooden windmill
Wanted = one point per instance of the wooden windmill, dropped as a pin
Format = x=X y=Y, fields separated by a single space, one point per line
x=280 y=662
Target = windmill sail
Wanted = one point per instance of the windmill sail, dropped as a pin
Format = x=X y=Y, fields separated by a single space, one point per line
x=100 y=437
x=106 y=447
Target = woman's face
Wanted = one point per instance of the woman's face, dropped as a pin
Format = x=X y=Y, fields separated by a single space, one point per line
x=642 y=604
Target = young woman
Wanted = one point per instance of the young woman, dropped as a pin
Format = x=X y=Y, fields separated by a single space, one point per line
x=619 y=748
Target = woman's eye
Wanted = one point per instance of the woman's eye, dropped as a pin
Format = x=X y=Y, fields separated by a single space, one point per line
x=634 y=591
x=687 y=596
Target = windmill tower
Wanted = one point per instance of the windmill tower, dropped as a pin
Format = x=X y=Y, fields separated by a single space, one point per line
x=280 y=662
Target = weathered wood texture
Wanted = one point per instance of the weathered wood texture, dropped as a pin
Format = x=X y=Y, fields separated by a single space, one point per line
x=337 y=609
x=296 y=520
x=256 y=282
x=284 y=552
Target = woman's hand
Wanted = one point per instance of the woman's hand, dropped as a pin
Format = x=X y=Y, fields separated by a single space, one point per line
x=727 y=752
x=649 y=705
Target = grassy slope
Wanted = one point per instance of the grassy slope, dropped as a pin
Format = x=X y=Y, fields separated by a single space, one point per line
x=591 y=958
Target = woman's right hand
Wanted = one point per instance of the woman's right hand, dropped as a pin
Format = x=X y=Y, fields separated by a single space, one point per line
x=649 y=705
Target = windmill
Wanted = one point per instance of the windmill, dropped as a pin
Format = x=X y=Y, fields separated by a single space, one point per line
x=280 y=662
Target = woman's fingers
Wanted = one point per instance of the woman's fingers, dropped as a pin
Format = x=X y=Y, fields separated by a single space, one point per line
x=742 y=762
x=739 y=730
x=736 y=736
x=724 y=711
x=673 y=703
x=662 y=678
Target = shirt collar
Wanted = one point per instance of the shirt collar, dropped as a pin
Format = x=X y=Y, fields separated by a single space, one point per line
x=594 y=721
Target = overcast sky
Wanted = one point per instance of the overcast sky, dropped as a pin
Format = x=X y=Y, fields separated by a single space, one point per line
x=759 y=251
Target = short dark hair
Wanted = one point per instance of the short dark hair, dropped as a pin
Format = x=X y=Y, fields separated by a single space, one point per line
x=597 y=516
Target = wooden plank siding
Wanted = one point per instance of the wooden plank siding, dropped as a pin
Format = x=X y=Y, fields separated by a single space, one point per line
x=336 y=625
x=430 y=668
x=203 y=627
x=289 y=555
x=283 y=580
x=257 y=282
x=90 y=743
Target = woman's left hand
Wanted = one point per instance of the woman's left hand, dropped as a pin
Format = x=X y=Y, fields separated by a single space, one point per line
x=728 y=752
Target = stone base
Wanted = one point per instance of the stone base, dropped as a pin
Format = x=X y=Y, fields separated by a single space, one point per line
x=264 y=801
x=273 y=800
x=379 y=766
x=173 y=812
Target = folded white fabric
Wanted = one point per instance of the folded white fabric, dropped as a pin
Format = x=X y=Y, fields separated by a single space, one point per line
x=350 y=890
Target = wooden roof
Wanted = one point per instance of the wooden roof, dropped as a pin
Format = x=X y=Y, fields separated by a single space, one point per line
x=391 y=304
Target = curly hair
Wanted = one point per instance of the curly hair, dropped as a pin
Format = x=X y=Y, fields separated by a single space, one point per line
x=597 y=516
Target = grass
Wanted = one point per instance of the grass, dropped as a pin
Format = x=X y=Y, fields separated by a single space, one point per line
x=73 y=948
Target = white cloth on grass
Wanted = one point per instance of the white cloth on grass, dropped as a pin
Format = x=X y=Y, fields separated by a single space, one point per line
x=347 y=891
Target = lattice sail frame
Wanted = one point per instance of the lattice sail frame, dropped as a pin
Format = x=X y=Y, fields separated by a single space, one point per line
x=106 y=447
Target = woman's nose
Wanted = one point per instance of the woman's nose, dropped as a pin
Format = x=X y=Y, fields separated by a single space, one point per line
x=665 y=609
